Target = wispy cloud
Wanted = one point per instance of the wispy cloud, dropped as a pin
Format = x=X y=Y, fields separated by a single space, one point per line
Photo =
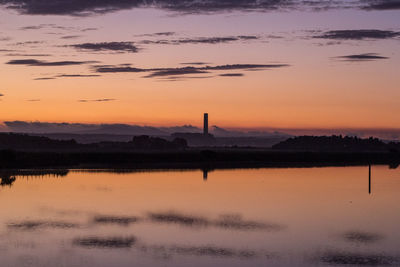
x=175 y=72
x=124 y=47
x=77 y=75
x=89 y=29
x=97 y=100
x=231 y=75
x=33 y=27
x=53 y=26
x=4 y=39
x=44 y=79
x=358 y=34
x=202 y=40
x=195 y=63
x=382 y=5
x=26 y=55
x=156 y=34
x=89 y=7
x=362 y=57
x=67 y=76
x=40 y=63
x=183 y=78
x=71 y=37
x=166 y=72
x=29 y=43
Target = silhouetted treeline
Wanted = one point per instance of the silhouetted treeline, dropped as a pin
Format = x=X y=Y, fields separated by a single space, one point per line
x=336 y=144
x=23 y=151
x=201 y=159
x=24 y=142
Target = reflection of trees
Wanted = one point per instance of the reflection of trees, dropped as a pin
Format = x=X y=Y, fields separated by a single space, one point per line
x=9 y=177
x=393 y=165
x=7 y=180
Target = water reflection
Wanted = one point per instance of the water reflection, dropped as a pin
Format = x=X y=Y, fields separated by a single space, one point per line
x=120 y=220
x=236 y=222
x=254 y=217
x=358 y=259
x=209 y=251
x=361 y=237
x=105 y=242
x=35 y=225
x=227 y=222
x=177 y=218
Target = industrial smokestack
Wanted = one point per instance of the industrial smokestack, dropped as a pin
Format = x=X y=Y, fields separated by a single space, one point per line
x=205 y=129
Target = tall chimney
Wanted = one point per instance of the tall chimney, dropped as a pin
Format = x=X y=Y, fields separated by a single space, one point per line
x=205 y=129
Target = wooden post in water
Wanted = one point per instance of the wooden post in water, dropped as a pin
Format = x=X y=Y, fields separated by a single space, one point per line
x=369 y=178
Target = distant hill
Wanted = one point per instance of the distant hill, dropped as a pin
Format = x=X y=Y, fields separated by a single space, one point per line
x=27 y=142
x=48 y=128
x=336 y=143
x=24 y=142
x=87 y=138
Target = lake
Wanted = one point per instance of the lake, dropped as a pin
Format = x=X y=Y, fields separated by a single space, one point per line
x=243 y=217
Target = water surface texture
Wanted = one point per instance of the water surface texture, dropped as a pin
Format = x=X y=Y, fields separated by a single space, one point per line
x=252 y=217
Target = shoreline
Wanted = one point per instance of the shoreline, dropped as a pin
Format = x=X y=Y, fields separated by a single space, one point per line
x=192 y=159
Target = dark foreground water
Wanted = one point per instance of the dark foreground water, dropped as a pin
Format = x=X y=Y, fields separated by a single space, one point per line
x=263 y=217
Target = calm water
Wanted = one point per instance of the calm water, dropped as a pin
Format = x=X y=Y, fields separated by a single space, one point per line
x=263 y=217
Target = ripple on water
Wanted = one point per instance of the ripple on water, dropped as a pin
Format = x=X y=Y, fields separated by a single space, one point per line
x=105 y=242
x=349 y=258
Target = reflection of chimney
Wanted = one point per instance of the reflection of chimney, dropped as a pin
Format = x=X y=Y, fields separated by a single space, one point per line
x=369 y=178
x=205 y=175
x=205 y=129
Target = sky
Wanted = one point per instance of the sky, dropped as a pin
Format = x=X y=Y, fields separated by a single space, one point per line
x=256 y=64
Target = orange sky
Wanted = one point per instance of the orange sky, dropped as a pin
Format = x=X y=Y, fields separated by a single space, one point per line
x=317 y=90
